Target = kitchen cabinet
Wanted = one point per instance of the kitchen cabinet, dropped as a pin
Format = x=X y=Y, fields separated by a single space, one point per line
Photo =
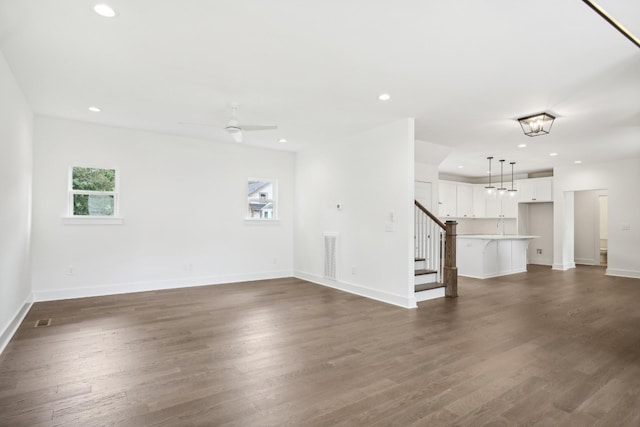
x=479 y=204
x=535 y=190
x=484 y=256
x=448 y=199
x=464 y=200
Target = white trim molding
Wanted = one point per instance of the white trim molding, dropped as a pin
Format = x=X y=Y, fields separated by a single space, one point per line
x=153 y=285
x=12 y=327
x=92 y=220
x=563 y=267
x=399 y=300
x=618 y=272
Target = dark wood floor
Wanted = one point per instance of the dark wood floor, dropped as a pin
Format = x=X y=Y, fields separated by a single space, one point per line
x=541 y=348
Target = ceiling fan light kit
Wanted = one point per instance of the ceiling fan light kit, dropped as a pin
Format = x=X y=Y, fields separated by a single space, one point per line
x=537 y=124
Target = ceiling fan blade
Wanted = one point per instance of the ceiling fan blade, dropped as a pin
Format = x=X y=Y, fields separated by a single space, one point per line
x=236 y=135
x=258 y=127
x=197 y=124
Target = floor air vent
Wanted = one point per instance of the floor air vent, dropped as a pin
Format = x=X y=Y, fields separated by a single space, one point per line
x=330 y=255
x=42 y=322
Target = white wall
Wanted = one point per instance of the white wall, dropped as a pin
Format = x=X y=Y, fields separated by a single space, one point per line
x=183 y=202
x=372 y=175
x=16 y=157
x=621 y=179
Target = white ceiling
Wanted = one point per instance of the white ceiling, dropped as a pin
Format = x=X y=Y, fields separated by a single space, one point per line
x=464 y=69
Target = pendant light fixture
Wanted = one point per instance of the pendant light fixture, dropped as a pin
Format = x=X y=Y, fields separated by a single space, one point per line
x=489 y=187
x=513 y=191
x=501 y=190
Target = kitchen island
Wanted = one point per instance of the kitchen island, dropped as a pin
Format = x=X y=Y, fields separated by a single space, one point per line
x=491 y=255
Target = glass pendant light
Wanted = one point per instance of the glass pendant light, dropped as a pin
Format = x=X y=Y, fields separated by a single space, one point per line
x=489 y=187
x=501 y=190
x=512 y=191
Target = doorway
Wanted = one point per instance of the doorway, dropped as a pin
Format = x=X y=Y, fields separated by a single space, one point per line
x=591 y=227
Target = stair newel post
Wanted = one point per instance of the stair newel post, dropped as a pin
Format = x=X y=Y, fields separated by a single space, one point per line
x=450 y=268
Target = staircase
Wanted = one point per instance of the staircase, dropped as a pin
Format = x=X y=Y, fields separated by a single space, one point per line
x=436 y=274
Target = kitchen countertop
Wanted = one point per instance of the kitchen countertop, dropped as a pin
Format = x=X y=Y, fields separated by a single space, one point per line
x=496 y=236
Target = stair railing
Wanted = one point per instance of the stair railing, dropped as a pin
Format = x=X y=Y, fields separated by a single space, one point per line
x=435 y=242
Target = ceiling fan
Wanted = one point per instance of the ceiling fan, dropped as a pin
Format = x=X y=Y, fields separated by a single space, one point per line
x=234 y=127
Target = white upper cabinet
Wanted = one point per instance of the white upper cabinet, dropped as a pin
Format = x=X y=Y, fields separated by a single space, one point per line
x=510 y=205
x=448 y=199
x=479 y=203
x=464 y=200
x=535 y=190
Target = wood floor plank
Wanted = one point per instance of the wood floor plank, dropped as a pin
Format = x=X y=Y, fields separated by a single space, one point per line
x=539 y=348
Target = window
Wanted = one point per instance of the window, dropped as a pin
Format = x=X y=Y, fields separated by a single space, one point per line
x=93 y=192
x=261 y=198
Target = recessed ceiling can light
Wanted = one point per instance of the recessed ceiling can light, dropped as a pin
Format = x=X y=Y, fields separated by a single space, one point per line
x=522 y=145
x=104 y=10
x=460 y=167
x=553 y=154
x=94 y=109
x=384 y=97
x=282 y=140
x=578 y=162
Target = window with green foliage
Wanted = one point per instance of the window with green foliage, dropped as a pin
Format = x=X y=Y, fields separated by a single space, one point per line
x=93 y=192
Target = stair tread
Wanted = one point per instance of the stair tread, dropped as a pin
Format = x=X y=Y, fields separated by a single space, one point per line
x=428 y=286
x=422 y=272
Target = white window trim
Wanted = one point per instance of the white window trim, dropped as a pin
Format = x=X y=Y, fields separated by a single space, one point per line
x=92 y=220
x=274 y=200
x=71 y=219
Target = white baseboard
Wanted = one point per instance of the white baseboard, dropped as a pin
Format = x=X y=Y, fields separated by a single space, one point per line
x=632 y=274
x=563 y=267
x=492 y=275
x=153 y=285
x=394 y=299
x=17 y=319
x=541 y=261
x=586 y=261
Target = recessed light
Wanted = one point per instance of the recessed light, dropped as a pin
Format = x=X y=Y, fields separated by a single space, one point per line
x=460 y=167
x=578 y=162
x=94 y=109
x=553 y=154
x=282 y=140
x=104 y=10
x=522 y=145
x=384 y=97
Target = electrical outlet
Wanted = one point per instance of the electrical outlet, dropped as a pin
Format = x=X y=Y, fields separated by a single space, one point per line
x=539 y=251
x=353 y=270
x=69 y=271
